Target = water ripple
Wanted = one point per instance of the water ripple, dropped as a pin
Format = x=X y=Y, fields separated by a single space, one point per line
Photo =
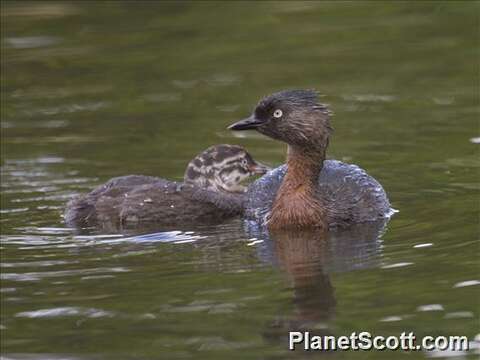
x=32 y=41
x=37 y=263
x=467 y=283
x=37 y=276
x=65 y=311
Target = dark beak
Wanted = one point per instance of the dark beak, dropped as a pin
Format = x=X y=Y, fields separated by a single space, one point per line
x=259 y=168
x=246 y=124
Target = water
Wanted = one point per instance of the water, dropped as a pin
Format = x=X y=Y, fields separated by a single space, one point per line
x=91 y=91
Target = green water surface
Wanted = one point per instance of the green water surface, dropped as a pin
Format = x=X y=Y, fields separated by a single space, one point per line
x=92 y=90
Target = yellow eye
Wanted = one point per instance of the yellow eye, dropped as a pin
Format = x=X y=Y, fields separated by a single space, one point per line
x=277 y=113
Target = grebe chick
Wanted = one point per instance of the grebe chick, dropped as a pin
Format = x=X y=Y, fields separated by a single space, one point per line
x=211 y=192
x=308 y=191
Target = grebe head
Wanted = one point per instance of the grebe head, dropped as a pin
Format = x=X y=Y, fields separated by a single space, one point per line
x=292 y=116
x=223 y=168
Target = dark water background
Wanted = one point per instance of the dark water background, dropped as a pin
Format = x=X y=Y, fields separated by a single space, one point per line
x=95 y=90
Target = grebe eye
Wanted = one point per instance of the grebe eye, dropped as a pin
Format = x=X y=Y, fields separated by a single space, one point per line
x=277 y=113
x=244 y=162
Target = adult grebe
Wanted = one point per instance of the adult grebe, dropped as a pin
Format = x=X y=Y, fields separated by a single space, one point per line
x=308 y=191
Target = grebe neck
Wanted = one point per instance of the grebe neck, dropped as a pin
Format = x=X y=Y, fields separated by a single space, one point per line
x=297 y=203
x=303 y=166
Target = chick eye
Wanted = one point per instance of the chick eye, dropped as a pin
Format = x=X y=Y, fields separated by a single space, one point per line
x=277 y=113
x=244 y=162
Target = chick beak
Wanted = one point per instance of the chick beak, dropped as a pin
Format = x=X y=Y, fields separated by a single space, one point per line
x=246 y=124
x=259 y=168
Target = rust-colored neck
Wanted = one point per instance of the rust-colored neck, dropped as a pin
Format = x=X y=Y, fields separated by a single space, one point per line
x=304 y=167
x=296 y=203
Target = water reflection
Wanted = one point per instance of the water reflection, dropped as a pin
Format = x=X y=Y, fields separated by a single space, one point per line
x=307 y=258
x=352 y=248
x=87 y=100
x=301 y=255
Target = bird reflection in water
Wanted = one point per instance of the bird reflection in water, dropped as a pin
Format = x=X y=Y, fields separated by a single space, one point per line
x=308 y=257
x=300 y=254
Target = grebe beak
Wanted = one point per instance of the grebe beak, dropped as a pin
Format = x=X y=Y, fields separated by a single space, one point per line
x=259 y=168
x=246 y=124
